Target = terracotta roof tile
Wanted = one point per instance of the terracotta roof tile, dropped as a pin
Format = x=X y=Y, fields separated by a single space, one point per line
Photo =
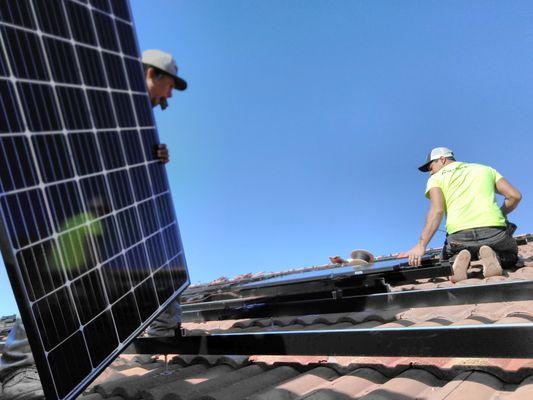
x=288 y=377
x=360 y=381
x=93 y=396
x=409 y=384
x=257 y=383
x=524 y=391
x=190 y=386
x=298 y=386
x=127 y=387
x=471 y=385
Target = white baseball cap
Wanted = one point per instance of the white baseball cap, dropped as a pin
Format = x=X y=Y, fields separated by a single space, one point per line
x=435 y=154
x=164 y=62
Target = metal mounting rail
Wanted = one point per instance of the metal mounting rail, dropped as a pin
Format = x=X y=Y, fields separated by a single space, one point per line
x=486 y=341
x=258 y=307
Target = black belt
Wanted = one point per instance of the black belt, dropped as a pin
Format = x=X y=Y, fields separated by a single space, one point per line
x=475 y=229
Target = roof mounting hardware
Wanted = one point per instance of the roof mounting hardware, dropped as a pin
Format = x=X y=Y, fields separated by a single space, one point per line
x=273 y=307
x=301 y=292
x=490 y=341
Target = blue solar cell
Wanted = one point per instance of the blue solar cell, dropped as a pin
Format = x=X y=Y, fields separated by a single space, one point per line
x=3 y=65
x=133 y=146
x=25 y=54
x=58 y=51
x=16 y=168
x=101 y=5
x=144 y=112
x=39 y=107
x=74 y=108
x=115 y=72
x=135 y=75
x=64 y=201
x=87 y=287
x=36 y=270
x=128 y=221
x=51 y=17
x=17 y=12
x=100 y=346
x=127 y=40
x=146 y=298
x=121 y=9
x=92 y=68
x=53 y=157
x=111 y=140
x=101 y=109
x=141 y=183
x=126 y=315
x=85 y=153
x=125 y=116
x=107 y=33
x=10 y=120
x=81 y=23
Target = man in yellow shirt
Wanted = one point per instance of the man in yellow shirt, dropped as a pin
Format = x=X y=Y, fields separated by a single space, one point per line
x=475 y=225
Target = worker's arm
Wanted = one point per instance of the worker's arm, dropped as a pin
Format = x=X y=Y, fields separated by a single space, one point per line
x=511 y=194
x=433 y=219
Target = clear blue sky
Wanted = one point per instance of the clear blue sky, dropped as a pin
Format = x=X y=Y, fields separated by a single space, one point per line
x=304 y=121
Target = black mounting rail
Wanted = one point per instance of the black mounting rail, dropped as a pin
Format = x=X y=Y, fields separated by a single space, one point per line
x=337 y=301
x=485 y=341
x=359 y=280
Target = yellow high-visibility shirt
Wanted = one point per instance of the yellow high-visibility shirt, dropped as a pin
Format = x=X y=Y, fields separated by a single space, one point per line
x=469 y=196
x=72 y=244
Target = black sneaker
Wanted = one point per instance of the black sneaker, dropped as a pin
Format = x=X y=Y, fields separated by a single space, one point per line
x=22 y=384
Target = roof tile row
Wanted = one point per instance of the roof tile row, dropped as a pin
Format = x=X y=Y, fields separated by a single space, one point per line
x=376 y=378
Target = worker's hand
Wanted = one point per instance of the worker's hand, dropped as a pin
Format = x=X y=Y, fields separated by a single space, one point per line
x=414 y=255
x=161 y=153
x=337 y=260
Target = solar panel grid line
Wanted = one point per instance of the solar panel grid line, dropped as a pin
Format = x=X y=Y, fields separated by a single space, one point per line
x=107 y=308
x=2 y=44
x=74 y=86
x=98 y=267
x=17 y=28
x=63 y=262
x=100 y=263
x=167 y=255
x=22 y=116
x=137 y=120
x=71 y=131
x=52 y=236
x=93 y=8
x=69 y=41
x=97 y=143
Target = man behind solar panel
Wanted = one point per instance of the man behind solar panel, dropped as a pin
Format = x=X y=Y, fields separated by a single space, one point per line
x=18 y=376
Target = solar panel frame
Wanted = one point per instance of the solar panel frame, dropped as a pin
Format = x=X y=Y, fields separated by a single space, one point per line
x=54 y=113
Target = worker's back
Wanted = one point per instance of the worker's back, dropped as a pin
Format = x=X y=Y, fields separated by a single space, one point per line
x=469 y=195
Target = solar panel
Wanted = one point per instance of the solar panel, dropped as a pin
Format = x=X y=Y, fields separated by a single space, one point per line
x=375 y=268
x=88 y=231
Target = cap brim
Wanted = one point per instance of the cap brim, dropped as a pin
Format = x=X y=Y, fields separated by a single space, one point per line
x=425 y=167
x=179 y=84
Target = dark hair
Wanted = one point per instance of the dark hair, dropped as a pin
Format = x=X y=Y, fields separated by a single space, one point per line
x=451 y=158
x=158 y=73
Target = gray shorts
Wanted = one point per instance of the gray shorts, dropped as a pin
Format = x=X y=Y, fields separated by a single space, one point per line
x=500 y=239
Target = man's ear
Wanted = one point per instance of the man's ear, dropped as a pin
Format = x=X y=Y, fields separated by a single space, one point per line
x=150 y=73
